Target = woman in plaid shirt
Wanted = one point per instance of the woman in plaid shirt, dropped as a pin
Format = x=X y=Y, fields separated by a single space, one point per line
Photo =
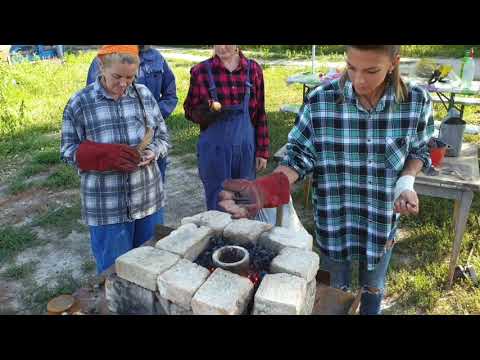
x=104 y=126
x=226 y=98
x=363 y=138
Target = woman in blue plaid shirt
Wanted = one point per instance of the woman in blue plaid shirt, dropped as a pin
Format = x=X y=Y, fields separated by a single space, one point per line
x=105 y=135
x=363 y=138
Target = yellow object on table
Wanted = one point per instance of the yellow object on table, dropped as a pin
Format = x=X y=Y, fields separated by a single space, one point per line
x=5 y=52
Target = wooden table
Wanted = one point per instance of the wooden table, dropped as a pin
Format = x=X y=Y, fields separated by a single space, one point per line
x=447 y=93
x=309 y=81
x=458 y=179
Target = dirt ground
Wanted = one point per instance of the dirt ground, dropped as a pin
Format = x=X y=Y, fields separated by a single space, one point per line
x=55 y=255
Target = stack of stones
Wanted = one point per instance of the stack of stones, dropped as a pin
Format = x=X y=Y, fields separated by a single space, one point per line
x=165 y=280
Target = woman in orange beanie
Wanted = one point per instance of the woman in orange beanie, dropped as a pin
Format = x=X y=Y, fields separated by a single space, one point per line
x=105 y=135
x=155 y=73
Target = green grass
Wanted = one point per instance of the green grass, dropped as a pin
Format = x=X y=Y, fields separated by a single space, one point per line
x=13 y=240
x=299 y=52
x=36 y=298
x=40 y=162
x=332 y=53
x=64 y=177
x=32 y=99
x=421 y=285
x=19 y=272
x=89 y=266
x=416 y=278
x=31 y=170
x=62 y=219
x=47 y=157
x=20 y=187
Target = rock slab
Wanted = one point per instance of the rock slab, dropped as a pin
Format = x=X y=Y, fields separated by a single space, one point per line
x=244 y=231
x=224 y=293
x=298 y=262
x=188 y=241
x=280 y=294
x=179 y=283
x=213 y=219
x=126 y=298
x=278 y=238
x=143 y=265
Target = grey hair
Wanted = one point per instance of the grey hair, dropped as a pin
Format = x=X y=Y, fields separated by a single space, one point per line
x=109 y=59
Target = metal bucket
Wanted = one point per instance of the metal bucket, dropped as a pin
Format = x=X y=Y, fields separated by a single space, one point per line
x=451 y=133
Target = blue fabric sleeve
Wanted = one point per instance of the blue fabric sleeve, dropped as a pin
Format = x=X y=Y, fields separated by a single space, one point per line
x=93 y=71
x=169 y=99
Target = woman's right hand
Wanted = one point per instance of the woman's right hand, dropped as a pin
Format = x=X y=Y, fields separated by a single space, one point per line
x=147 y=157
x=205 y=116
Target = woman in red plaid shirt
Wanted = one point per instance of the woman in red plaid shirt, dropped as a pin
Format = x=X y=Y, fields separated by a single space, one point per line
x=226 y=98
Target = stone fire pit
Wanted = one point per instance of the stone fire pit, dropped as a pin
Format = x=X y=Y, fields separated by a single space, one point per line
x=165 y=280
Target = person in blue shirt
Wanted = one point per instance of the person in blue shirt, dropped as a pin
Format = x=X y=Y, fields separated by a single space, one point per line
x=157 y=76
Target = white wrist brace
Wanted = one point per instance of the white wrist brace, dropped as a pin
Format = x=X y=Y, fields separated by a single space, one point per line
x=404 y=183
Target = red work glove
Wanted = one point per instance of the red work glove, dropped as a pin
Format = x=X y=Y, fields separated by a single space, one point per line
x=245 y=198
x=107 y=157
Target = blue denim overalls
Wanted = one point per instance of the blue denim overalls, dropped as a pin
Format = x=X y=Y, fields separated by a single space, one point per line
x=226 y=149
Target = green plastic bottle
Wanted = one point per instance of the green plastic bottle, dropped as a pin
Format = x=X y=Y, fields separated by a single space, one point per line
x=467 y=72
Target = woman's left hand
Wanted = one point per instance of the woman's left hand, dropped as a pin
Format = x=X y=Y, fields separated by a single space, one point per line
x=261 y=163
x=147 y=157
x=407 y=203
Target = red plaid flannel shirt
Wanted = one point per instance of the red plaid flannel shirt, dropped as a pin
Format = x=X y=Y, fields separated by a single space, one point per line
x=230 y=91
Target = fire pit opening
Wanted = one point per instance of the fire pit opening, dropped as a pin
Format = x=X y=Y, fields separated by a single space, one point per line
x=255 y=266
x=230 y=255
x=233 y=258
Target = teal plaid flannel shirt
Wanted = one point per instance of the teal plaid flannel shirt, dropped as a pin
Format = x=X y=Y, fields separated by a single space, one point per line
x=355 y=158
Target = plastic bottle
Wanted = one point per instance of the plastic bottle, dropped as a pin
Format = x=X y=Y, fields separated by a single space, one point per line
x=468 y=69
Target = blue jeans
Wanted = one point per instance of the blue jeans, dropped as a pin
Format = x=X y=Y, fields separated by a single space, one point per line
x=341 y=275
x=162 y=165
x=111 y=241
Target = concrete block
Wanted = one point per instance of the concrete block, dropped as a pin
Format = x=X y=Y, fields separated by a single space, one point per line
x=143 y=265
x=309 y=298
x=278 y=238
x=213 y=219
x=298 y=262
x=224 y=293
x=188 y=241
x=245 y=231
x=126 y=298
x=280 y=294
x=179 y=283
x=167 y=307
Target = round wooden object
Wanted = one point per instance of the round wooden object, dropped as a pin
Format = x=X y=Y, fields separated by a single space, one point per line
x=216 y=106
x=60 y=304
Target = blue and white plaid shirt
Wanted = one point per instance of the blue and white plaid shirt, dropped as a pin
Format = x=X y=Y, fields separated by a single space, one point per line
x=114 y=197
x=356 y=158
